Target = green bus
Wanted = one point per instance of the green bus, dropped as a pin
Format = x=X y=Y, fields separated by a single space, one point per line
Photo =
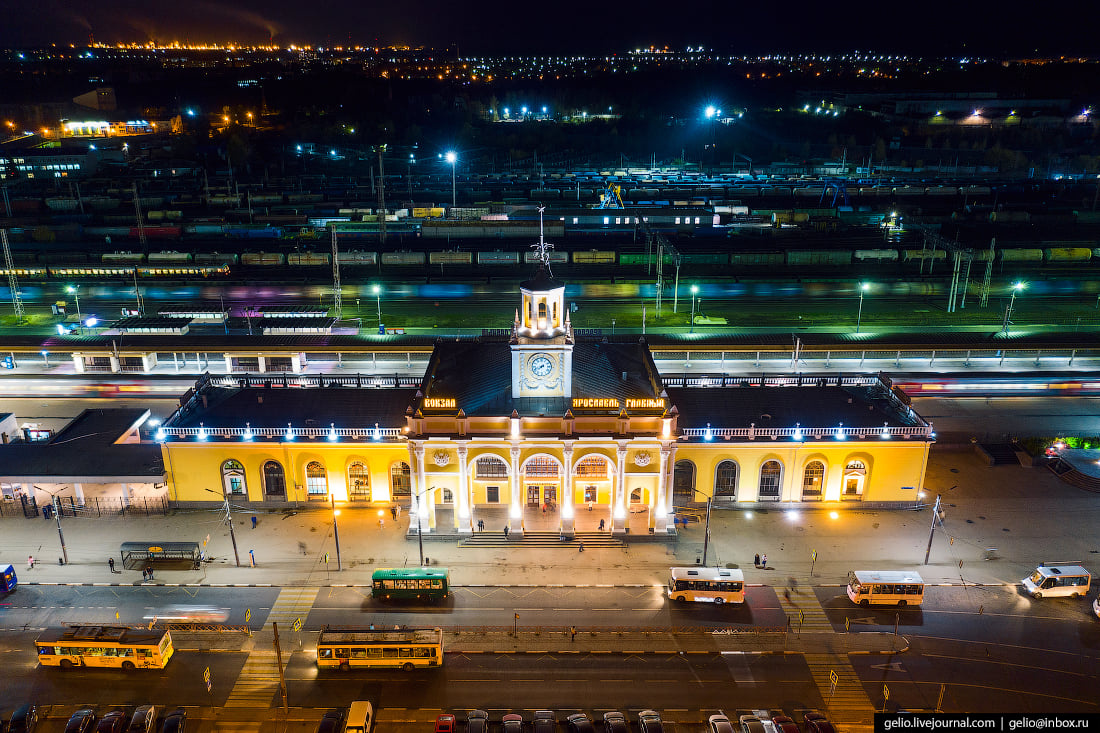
x=422 y=584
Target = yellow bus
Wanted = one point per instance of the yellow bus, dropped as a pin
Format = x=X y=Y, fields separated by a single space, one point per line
x=893 y=587
x=104 y=646
x=711 y=585
x=406 y=648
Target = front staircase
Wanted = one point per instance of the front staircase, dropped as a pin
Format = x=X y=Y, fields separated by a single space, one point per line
x=591 y=540
x=1064 y=470
x=1000 y=454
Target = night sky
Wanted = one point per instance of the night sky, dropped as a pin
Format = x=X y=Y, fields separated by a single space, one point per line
x=477 y=27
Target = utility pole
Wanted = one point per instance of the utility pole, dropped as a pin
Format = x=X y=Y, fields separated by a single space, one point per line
x=932 y=530
x=137 y=213
x=988 y=274
x=13 y=283
x=232 y=536
x=279 y=661
x=381 y=196
x=57 y=516
x=706 y=533
x=337 y=304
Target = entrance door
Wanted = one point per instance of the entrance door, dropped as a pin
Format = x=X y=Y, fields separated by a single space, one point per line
x=533 y=496
x=550 y=495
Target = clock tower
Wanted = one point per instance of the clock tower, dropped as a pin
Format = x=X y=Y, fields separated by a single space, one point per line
x=542 y=337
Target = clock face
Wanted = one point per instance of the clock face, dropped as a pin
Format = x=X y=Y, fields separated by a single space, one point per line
x=541 y=366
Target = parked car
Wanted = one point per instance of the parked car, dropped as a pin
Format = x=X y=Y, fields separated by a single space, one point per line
x=477 y=721
x=615 y=722
x=544 y=722
x=579 y=723
x=752 y=724
x=144 y=720
x=818 y=723
x=112 y=722
x=81 y=721
x=174 y=721
x=445 y=723
x=331 y=722
x=719 y=724
x=783 y=724
x=650 y=722
x=511 y=723
x=24 y=719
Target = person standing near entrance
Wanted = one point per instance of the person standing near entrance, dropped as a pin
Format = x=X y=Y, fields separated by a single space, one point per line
x=111 y=564
x=764 y=561
x=572 y=633
x=30 y=562
x=393 y=512
x=506 y=531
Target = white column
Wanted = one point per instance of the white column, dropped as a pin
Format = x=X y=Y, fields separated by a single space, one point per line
x=516 y=510
x=261 y=364
x=618 y=513
x=78 y=493
x=421 y=500
x=78 y=363
x=670 y=471
x=431 y=505
x=567 y=520
x=463 y=517
x=228 y=363
x=658 y=513
x=116 y=367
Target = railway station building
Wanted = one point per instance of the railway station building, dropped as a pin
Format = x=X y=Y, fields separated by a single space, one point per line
x=542 y=430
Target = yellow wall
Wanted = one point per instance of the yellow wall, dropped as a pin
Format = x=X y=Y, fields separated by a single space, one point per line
x=890 y=466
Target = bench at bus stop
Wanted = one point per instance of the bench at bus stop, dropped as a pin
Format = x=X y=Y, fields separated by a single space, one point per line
x=162 y=555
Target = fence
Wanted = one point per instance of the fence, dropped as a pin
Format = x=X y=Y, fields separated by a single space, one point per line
x=93 y=507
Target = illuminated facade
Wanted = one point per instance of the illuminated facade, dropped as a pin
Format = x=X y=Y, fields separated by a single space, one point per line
x=543 y=429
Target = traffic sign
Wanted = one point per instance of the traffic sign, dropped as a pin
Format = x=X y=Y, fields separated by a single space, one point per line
x=206 y=675
x=801 y=616
x=886 y=692
x=813 y=555
x=833 y=677
x=247 y=615
x=298 y=624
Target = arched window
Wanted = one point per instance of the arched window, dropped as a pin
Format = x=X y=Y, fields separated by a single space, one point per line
x=725 y=481
x=400 y=479
x=233 y=478
x=770 y=474
x=855 y=475
x=813 y=480
x=448 y=496
x=636 y=496
x=316 y=480
x=358 y=482
x=592 y=467
x=490 y=467
x=683 y=481
x=274 y=480
x=541 y=467
x=542 y=316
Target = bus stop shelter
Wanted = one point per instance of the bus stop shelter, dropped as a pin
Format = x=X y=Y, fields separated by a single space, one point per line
x=170 y=555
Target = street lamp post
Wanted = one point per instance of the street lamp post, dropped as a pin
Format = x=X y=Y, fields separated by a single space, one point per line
x=694 y=290
x=336 y=531
x=229 y=521
x=75 y=290
x=452 y=159
x=55 y=502
x=419 y=528
x=859 y=313
x=1017 y=287
x=706 y=528
x=378 y=301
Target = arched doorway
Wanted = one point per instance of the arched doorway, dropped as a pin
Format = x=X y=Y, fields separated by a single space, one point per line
x=683 y=482
x=316 y=481
x=490 y=475
x=541 y=481
x=274 y=481
x=592 y=476
x=400 y=480
x=233 y=478
x=855 y=475
x=358 y=482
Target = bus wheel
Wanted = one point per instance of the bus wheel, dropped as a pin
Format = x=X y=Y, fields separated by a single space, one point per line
x=128 y=666
x=719 y=601
x=902 y=603
x=1074 y=595
x=407 y=666
x=680 y=599
x=66 y=664
x=1036 y=595
x=345 y=667
x=865 y=602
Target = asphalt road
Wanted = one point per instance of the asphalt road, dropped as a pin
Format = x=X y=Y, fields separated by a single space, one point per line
x=993 y=647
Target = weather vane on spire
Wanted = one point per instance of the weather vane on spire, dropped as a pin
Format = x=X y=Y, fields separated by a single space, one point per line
x=542 y=247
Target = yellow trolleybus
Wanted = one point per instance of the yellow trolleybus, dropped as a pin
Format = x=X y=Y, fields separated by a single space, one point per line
x=406 y=648
x=104 y=646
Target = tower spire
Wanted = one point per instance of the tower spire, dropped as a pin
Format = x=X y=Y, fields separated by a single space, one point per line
x=542 y=247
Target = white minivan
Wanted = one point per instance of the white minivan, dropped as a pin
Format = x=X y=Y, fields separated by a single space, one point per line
x=1058 y=580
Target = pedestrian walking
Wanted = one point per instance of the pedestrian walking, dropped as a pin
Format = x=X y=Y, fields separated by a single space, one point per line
x=580 y=547
x=506 y=531
x=764 y=561
x=145 y=573
x=253 y=522
x=601 y=525
x=150 y=569
x=756 y=560
x=787 y=594
x=393 y=512
x=572 y=633
x=381 y=523
x=111 y=563
x=30 y=562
